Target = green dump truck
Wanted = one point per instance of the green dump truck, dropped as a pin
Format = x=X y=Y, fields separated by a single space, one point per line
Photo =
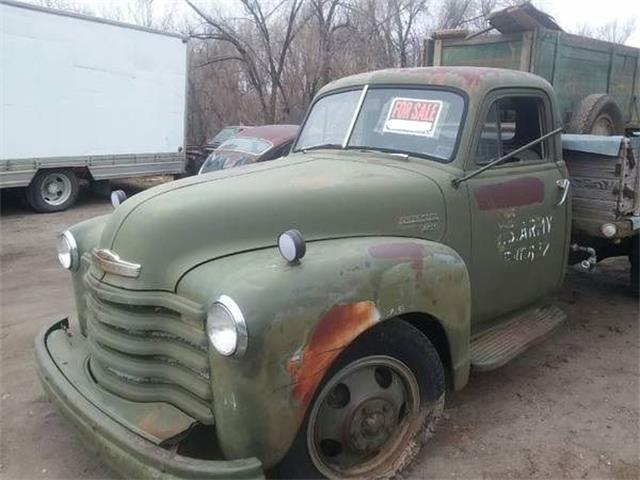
x=597 y=83
x=313 y=326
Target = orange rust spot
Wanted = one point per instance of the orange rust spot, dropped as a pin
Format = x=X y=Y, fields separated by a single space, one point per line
x=413 y=252
x=155 y=423
x=335 y=331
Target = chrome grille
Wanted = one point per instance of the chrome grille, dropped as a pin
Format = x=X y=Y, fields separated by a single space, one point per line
x=152 y=350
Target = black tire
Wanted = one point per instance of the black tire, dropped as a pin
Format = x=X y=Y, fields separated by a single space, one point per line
x=401 y=342
x=53 y=190
x=597 y=114
x=101 y=188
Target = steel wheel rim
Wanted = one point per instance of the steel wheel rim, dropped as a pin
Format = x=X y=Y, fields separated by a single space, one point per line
x=55 y=189
x=368 y=434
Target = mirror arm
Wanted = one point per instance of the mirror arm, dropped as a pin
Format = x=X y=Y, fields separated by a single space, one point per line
x=458 y=181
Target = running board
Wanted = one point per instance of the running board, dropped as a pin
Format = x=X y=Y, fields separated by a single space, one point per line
x=497 y=346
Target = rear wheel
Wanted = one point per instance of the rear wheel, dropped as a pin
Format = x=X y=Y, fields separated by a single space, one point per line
x=374 y=410
x=52 y=190
x=597 y=114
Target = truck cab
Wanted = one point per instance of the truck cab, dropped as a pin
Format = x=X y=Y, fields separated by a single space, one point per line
x=314 y=326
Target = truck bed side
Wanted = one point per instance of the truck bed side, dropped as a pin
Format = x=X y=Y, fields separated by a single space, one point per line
x=605 y=178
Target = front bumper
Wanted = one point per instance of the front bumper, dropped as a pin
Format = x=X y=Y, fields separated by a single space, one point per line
x=123 y=450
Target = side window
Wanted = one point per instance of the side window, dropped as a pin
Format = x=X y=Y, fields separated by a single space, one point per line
x=511 y=123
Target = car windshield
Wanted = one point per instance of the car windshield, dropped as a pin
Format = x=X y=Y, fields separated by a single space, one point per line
x=223 y=159
x=416 y=121
x=250 y=145
x=224 y=134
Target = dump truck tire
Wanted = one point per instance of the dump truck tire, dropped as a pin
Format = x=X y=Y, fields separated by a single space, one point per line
x=53 y=190
x=383 y=397
x=597 y=114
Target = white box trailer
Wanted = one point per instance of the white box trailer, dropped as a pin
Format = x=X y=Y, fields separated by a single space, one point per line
x=83 y=97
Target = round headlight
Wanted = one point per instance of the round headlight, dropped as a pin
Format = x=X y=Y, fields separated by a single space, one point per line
x=609 y=229
x=68 y=251
x=292 y=246
x=226 y=328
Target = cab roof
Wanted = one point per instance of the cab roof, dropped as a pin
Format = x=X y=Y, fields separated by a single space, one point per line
x=473 y=80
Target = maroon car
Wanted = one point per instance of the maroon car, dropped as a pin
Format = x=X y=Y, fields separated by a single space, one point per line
x=253 y=144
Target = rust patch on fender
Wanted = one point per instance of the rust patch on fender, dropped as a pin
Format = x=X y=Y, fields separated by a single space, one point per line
x=335 y=331
x=514 y=193
x=412 y=252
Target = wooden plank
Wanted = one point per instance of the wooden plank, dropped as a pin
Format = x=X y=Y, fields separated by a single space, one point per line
x=594 y=169
x=594 y=209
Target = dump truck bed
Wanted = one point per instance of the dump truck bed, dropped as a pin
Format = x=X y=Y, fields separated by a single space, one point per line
x=576 y=66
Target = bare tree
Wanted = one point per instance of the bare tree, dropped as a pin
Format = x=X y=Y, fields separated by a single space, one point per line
x=258 y=47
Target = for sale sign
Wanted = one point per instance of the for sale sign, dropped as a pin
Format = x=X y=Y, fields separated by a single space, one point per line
x=413 y=116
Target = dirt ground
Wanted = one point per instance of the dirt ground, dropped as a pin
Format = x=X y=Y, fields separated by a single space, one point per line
x=567 y=408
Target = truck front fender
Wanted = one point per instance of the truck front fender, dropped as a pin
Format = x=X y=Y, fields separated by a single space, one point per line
x=300 y=317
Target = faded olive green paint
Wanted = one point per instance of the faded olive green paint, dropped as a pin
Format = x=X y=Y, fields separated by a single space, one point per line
x=236 y=210
x=386 y=236
x=576 y=66
x=253 y=403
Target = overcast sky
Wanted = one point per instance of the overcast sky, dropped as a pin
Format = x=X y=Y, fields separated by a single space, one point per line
x=570 y=14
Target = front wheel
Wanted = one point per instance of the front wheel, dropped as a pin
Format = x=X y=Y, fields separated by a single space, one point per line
x=375 y=409
x=53 y=190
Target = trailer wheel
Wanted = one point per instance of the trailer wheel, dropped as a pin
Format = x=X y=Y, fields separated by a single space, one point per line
x=597 y=114
x=52 y=190
x=374 y=410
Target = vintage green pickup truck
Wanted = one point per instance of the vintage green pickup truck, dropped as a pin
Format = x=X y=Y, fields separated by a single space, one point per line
x=305 y=317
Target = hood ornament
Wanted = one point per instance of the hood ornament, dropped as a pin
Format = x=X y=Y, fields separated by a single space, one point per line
x=110 y=262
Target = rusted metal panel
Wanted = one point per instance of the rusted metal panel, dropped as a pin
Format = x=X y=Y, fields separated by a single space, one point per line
x=523 y=17
x=333 y=333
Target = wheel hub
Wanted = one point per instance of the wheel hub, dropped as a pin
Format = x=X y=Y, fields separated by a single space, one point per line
x=372 y=425
x=53 y=188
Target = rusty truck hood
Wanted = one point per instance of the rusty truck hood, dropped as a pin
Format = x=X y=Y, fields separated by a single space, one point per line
x=175 y=227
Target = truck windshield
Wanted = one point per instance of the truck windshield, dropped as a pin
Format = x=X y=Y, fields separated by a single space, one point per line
x=414 y=121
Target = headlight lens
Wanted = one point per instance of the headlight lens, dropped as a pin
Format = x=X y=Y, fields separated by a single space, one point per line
x=226 y=328
x=68 y=251
x=609 y=229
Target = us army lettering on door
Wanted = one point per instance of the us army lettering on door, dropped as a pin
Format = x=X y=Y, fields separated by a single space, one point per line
x=523 y=239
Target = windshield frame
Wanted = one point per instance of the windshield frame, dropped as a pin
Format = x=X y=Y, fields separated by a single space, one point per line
x=365 y=88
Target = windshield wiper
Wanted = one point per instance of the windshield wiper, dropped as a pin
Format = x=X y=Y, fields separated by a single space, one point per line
x=385 y=151
x=504 y=158
x=317 y=147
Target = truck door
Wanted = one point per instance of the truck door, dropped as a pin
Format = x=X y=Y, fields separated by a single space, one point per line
x=519 y=230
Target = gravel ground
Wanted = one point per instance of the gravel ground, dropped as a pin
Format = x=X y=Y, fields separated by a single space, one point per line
x=567 y=408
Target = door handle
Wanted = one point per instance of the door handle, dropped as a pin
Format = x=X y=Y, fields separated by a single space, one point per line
x=563 y=184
